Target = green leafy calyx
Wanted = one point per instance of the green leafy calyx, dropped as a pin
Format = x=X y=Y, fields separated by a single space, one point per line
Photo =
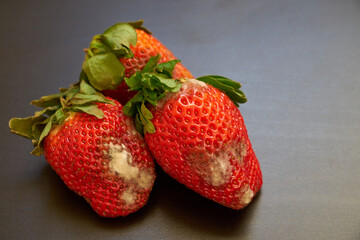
x=101 y=65
x=80 y=97
x=152 y=84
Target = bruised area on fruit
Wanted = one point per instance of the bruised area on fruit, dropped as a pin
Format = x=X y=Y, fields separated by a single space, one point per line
x=89 y=157
x=202 y=133
x=146 y=47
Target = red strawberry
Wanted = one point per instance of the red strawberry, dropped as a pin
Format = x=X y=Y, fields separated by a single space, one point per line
x=102 y=158
x=202 y=142
x=197 y=135
x=142 y=46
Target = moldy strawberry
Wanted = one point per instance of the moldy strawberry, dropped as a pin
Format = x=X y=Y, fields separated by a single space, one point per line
x=93 y=147
x=196 y=133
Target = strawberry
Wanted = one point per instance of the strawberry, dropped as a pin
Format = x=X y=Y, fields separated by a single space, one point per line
x=93 y=147
x=140 y=47
x=201 y=141
x=197 y=134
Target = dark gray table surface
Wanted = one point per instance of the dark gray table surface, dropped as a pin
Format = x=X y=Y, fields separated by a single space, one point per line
x=299 y=64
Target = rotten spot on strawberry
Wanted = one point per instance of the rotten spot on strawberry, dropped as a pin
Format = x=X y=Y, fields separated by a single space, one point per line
x=247 y=196
x=214 y=168
x=129 y=196
x=121 y=162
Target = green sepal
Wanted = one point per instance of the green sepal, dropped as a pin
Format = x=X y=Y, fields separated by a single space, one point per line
x=97 y=46
x=47 y=101
x=228 y=86
x=23 y=126
x=80 y=97
x=146 y=112
x=86 y=88
x=168 y=84
x=37 y=142
x=130 y=107
x=167 y=68
x=151 y=64
x=119 y=38
x=151 y=97
x=139 y=25
x=89 y=109
x=104 y=71
x=37 y=129
x=134 y=82
x=145 y=118
x=47 y=111
x=138 y=125
x=69 y=94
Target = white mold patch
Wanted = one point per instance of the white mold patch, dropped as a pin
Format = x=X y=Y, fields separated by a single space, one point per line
x=215 y=169
x=145 y=179
x=129 y=196
x=121 y=163
x=220 y=171
x=247 y=196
